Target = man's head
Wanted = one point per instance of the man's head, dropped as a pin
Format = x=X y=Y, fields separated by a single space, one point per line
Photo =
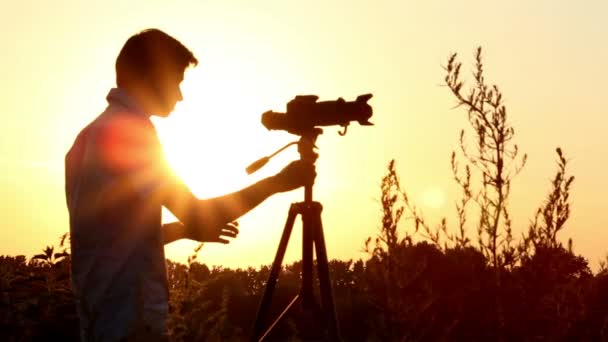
x=150 y=66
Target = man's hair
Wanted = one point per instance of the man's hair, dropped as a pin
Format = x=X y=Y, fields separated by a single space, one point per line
x=151 y=55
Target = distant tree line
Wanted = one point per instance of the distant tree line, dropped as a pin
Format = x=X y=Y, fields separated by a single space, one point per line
x=419 y=282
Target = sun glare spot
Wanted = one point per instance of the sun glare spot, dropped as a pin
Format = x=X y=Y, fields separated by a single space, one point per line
x=433 y=197
x=202 y=157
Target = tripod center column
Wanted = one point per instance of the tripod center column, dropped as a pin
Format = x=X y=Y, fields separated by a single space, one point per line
x=306 y=147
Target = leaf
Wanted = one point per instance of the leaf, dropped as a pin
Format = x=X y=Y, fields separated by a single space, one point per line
x=61 y=255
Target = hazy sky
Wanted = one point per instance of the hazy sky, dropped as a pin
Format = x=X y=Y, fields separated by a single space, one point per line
x=550 y=58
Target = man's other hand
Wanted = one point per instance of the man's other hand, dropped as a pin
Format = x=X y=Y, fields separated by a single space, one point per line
x=221 y=234
x=298 y=173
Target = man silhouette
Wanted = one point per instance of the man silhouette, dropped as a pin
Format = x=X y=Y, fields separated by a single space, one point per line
x=117 y=180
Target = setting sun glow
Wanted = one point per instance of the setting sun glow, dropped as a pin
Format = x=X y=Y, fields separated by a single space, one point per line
x=203 y=154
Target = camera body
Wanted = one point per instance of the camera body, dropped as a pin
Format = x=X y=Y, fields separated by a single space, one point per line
x=304 y=113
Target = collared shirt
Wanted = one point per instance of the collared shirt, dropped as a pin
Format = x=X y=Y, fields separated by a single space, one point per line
x=113 y=171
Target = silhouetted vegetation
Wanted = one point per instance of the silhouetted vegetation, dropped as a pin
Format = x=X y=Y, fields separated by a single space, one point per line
x=419 y=282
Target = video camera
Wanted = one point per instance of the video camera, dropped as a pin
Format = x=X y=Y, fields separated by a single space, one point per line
x=304 y=113
x=303 y=116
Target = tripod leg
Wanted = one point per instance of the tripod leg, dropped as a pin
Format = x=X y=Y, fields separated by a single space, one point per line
x=274 y=273
x=307 y=256
x=327 y=298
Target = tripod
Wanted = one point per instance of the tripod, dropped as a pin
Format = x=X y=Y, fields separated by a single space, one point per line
x=312 y=236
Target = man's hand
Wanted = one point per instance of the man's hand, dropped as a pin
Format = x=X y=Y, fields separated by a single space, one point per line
x=213 y=234
x=176 y=230
x=298 y=173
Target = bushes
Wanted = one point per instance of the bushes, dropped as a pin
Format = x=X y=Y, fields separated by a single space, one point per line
x=437 y=294
x=37 y=301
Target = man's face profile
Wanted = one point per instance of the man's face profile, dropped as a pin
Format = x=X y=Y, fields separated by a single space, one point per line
x=167 y=93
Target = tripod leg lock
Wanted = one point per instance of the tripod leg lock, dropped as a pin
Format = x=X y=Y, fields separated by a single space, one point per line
x=301 y=207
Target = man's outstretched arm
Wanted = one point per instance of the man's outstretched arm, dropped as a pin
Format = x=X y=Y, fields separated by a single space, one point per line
x=206 y=220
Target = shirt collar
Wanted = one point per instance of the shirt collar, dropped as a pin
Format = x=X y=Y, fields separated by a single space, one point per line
x=118 y=96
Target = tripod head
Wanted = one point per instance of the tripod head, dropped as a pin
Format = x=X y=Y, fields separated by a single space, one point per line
x=306 y=146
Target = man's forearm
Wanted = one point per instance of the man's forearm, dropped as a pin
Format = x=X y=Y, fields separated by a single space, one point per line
x=214 y=212
x=227 y=208
x=173 y=231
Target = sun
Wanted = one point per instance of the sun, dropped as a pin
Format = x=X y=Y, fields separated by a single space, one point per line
x=200 y=151
x=213 y=134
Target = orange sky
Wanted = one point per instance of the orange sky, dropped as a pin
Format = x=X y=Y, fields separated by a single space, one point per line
x=548 y=57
